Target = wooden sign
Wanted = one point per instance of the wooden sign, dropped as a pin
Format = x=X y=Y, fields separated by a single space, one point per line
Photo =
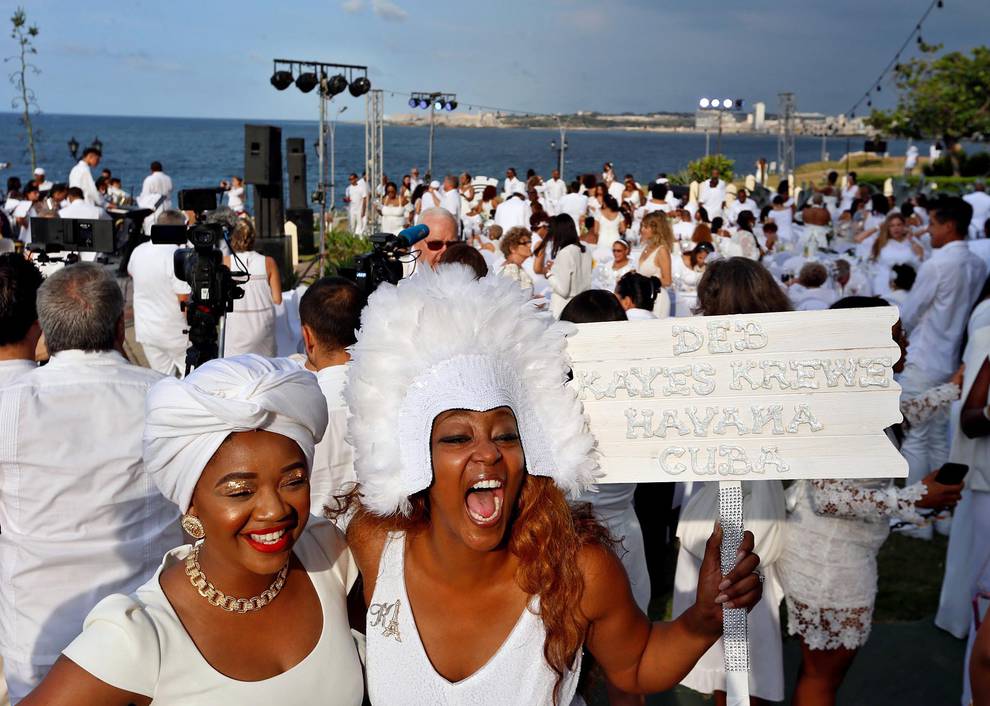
x=748 y=397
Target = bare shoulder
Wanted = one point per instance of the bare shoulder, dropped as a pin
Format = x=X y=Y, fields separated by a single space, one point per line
x=604 y=579
x=366 y=538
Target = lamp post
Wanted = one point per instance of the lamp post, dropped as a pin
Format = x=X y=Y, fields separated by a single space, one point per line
x=74 y=147
x=310 y=75
x=333 y=168
x=562 y=146
x=719 y=106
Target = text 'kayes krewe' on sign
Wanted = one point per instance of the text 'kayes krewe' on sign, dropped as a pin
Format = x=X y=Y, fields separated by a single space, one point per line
x=747 y=397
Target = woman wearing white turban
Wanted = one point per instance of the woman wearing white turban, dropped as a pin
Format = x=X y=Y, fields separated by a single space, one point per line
x=482 y=586
x=255 y=612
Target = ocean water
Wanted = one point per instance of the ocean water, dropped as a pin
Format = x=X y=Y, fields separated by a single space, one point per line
x=199 y=152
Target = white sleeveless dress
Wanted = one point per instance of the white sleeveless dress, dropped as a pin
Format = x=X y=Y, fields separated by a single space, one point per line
x=608 y=233
x=393 y=218
x=250 y=327
x=649 y=268
x=138 y=643
x=400 y=672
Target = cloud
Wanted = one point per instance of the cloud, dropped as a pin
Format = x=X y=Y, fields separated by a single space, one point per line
x=352 y=6
x=388 y=10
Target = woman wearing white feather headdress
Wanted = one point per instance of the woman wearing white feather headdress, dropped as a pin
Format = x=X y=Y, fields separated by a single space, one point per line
x=482 y=585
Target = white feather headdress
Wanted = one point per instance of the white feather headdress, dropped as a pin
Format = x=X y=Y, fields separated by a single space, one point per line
x=444 y=340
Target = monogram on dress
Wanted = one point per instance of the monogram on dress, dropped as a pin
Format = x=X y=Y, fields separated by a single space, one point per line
x=386 y=616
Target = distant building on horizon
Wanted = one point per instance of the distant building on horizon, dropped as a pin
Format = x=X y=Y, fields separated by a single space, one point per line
x=759 y=115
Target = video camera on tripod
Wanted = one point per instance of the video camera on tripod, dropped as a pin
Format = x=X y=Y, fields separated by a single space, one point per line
x=213 y=286
x=384 y=262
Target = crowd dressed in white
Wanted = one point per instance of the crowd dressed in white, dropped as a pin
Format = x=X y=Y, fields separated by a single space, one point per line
x=83 y=517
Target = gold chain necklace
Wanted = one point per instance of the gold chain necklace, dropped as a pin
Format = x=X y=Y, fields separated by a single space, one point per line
x=221 y=600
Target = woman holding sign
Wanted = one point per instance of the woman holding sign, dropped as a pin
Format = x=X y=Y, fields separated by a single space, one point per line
x=482 y=584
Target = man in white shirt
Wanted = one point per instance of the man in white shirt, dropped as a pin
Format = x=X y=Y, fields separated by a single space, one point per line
x=414 y=179
x=934 y=317
x=44 y=185
x=512 y=185
x=356 y=198
x=711 y=195
x=574 y=204
x=980 y=201
x=78 y=207
x=451 y=197
x=742 y=203
x=330 y=314
x=554 y=189
x=658 y=200
x=81 y=518
x=25 y=211
x=19 y=329
x=81 y=176
x=159 y=323
x=513 y=212
x=156 y=185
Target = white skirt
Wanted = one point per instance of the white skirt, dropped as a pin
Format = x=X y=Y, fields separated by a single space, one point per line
x=766 y=676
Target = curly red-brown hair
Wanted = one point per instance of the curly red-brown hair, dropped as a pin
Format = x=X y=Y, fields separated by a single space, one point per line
x=546 y=535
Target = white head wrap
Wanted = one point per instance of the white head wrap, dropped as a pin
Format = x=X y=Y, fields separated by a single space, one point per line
x=187 y=420
x=444 y=340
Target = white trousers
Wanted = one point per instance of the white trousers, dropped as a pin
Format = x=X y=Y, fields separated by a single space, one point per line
x=357 y=222
x=926 y=445
x=170 y=361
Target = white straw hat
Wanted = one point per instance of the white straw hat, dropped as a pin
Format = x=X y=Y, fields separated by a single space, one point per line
x=444 y=340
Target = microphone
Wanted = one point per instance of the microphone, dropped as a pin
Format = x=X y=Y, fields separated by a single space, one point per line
x=407 y=237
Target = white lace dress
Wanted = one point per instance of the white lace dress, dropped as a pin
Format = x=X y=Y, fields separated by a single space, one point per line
x=834 y=529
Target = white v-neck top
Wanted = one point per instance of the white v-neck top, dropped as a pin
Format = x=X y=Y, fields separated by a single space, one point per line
x=137 y=642
x=400 y=672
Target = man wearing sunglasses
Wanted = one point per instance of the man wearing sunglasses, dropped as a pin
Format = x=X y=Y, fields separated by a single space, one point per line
x=443 y=233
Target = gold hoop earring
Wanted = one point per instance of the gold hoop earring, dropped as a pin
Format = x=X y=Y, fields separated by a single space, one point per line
x=192 y=526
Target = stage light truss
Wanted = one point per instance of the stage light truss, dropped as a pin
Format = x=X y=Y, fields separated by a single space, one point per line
x=333 y=79
x=433 y=99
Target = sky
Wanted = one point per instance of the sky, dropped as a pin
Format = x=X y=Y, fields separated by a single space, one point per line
x=213 y=58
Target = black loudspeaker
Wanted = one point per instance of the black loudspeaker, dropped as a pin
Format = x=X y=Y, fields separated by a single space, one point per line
x=295 y=164
x=281 y=249
x=303 y=219
x=263 y=155
x=269 y=217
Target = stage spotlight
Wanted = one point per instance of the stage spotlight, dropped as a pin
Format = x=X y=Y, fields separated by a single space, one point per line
x=336 y=84
x=282 y=79
x=715 y=103
x=413 y=103
x=423 y=104
x=360 y=86
x=727 y=103
x=704 y=102
x=438 y=105
x=739 y=103
x=306 y=82
x=451 y=105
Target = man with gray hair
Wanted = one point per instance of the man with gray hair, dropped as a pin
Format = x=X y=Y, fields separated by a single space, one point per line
x=81 y=518
x=443 y=232
x=159 y=323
